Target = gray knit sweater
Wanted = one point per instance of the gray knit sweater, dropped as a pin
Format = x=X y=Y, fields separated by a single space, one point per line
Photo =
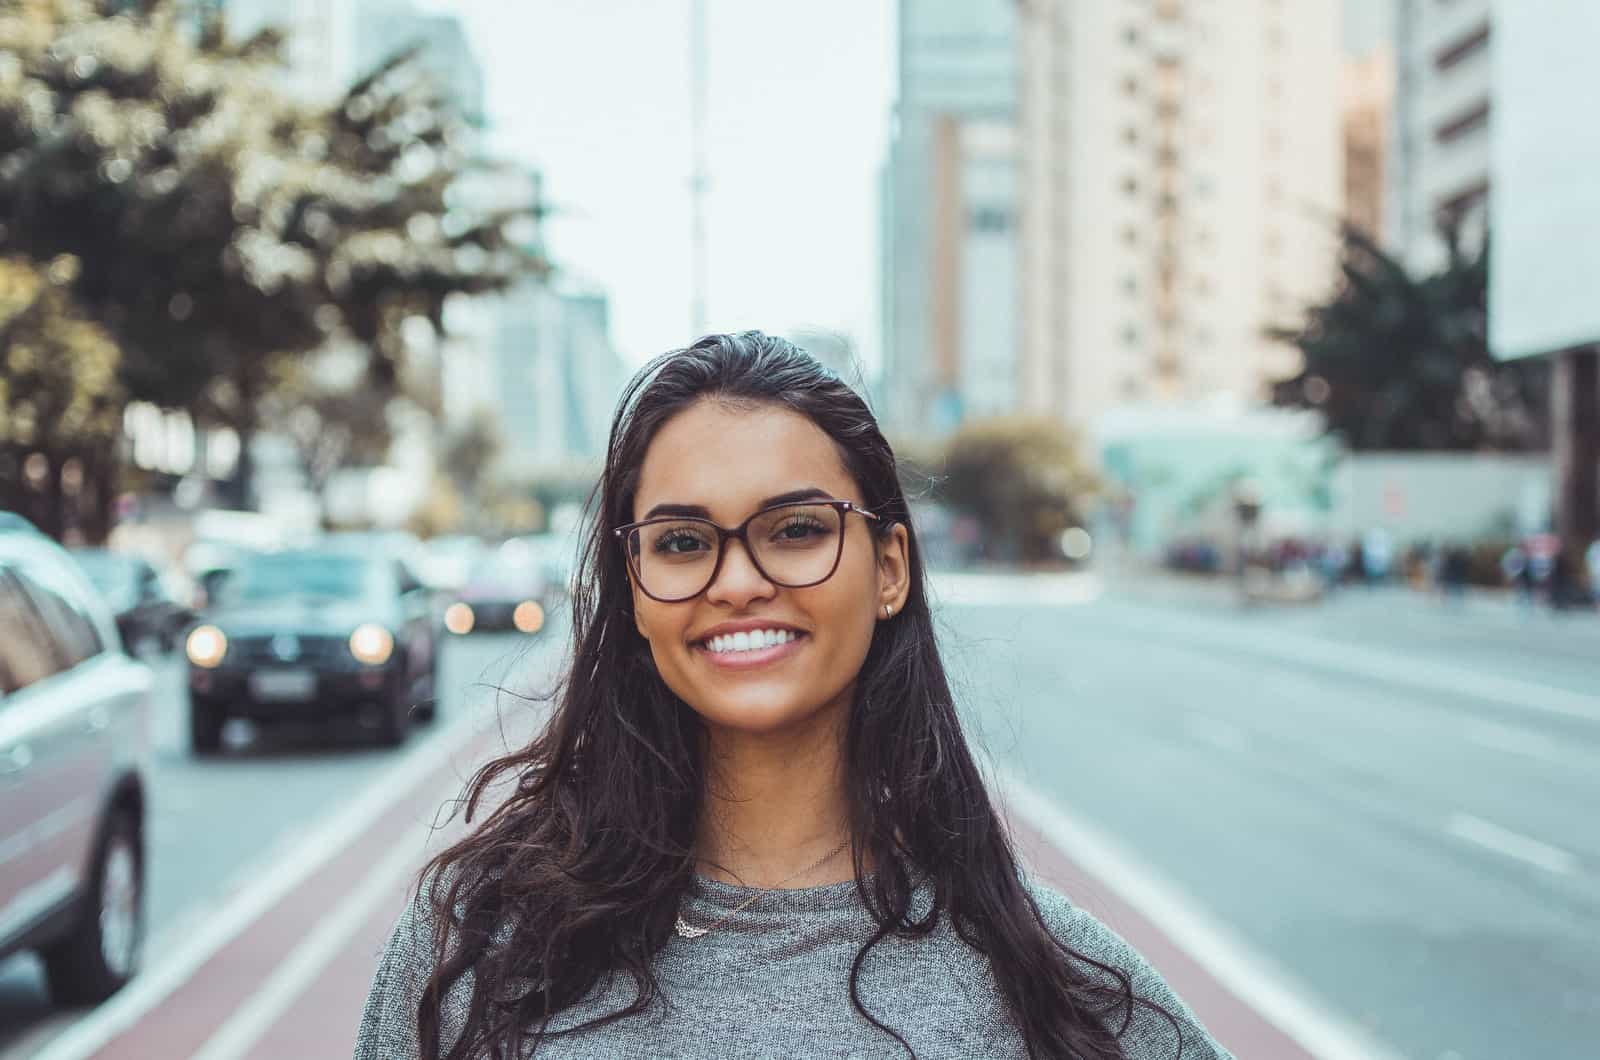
x=772 y=981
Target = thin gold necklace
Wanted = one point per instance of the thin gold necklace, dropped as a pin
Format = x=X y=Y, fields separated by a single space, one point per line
x=689 y=931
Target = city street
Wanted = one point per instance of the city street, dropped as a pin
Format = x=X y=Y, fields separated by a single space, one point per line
x=1392 y=802
x=218 y=824
x=1372 y=821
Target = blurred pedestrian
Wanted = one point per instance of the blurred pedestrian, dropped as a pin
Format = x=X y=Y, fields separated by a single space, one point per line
x=1518 y=573
x=752 y=825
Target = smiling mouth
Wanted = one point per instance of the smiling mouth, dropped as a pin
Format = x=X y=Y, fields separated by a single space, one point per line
x=748 y=644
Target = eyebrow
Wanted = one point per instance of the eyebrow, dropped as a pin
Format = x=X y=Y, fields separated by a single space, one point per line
x=697 y=511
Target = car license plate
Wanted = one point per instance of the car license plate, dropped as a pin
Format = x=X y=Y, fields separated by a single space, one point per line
x=283 y=686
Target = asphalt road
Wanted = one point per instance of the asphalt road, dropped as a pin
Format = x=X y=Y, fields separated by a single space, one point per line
x=1395 y=805
x=215 y=823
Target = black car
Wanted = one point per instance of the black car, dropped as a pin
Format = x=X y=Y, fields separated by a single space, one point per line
x=74 y=714
x=145 y=611
x=507 y=590
x=309 y=635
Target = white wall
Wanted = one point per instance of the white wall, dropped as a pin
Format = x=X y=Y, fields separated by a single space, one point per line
x=1544 y=290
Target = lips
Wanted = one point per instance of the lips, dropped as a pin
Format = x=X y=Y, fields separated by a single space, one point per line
x=752 y=657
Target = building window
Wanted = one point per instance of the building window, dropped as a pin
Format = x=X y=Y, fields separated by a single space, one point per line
x=1468 y=121
x=1130 y=235
x=990 y=219
x=1130 y=135
x=1130 y=335
x=1130 y=285
x=1130 y=185
x=1130 y=36
x=1471 y=44
x=1130 y=86
x=1463 y=202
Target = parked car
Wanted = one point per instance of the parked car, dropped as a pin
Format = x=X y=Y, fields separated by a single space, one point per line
x=74 y=713
x=507 y=590
x=311 y=635
x=145 y=609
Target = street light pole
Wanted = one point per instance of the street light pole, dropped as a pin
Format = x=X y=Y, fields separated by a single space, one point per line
x=698 y=180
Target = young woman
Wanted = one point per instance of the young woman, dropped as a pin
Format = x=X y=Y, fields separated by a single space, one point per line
x=752 y=826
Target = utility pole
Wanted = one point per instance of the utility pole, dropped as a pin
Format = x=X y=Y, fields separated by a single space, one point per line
x=698 y=179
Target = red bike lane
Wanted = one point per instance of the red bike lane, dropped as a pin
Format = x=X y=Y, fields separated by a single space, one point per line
x=290 y=983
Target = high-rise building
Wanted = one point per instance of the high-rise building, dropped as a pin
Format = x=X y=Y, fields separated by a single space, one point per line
x=1368 y=99
x=1439 y=157
x=949 y=217
x=1181 y=179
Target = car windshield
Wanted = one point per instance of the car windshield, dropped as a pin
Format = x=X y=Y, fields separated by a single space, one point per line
x=113 y=575
x=304 y=574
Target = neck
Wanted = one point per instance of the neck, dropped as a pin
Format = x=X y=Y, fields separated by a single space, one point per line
x=775 y=804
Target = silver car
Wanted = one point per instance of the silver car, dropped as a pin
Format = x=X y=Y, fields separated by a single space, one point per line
x=74 y=713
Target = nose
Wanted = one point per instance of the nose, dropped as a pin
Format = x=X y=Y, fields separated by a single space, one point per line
x=738 y=581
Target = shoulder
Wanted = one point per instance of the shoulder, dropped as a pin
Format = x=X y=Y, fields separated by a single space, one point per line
x=389 y=1021
x=1150 y=1033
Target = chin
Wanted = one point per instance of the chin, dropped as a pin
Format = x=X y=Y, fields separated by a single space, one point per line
x=756 y=713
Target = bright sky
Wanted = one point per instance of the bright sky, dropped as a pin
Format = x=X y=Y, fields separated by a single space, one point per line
x=596 y=93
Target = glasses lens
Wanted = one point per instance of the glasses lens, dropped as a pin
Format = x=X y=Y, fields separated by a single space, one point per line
x=674 y=559
x=797 y=544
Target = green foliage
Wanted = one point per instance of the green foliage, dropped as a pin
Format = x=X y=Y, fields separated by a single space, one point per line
x=223 y=225
x=1399 y=362
x=1023 y=478
x=58 y=370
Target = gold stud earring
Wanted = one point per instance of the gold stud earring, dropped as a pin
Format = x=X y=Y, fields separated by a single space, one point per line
x=887 y=610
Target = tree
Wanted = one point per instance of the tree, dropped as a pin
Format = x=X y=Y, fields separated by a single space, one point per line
x=1022 y=478
x=60 y=401
x=223 y=226
x=1399 y=362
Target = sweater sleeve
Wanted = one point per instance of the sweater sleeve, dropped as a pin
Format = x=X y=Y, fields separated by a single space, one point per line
x=389 y=1021
x=1150 y=1035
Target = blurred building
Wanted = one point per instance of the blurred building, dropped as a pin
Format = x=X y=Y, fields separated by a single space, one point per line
x=949 y=217
x=1181 y=171
x=1439 y=157
x=333 y=42
x=538 y=359
x=1368 y=98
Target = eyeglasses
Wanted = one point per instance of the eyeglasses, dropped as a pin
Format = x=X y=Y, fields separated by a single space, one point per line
x=676 y=558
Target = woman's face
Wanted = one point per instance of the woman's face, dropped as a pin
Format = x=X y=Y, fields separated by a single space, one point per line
x=728 y=460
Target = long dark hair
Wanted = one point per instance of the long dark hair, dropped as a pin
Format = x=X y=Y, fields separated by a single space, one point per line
x=580 y=871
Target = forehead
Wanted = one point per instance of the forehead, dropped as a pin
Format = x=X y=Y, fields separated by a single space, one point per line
x=729 y=458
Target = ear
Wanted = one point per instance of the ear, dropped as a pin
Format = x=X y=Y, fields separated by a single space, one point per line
x=894 y=569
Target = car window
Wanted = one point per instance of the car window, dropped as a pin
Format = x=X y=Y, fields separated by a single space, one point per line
x=405 y=581
x=301 y=575
x=28 y=651
x=65 y=612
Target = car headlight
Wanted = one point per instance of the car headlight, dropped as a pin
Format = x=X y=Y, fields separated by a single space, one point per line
x=528 y=617
x=371 y=644
x=459 y=619
x=206 y=646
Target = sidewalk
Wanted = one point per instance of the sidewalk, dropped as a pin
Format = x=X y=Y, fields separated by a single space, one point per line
x=286 y=968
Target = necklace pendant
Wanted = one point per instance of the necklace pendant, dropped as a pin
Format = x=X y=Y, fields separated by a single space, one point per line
x=688 y=930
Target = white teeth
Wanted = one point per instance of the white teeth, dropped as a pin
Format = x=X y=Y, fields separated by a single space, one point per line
x=752 y=640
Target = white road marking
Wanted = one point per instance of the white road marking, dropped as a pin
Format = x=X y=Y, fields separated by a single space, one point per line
x=1511 y=844
x=166 y=974
x=1221 y=734
x=1249 y=975
x=258 y=1014
x=1392 y=667
x=1512 y=740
